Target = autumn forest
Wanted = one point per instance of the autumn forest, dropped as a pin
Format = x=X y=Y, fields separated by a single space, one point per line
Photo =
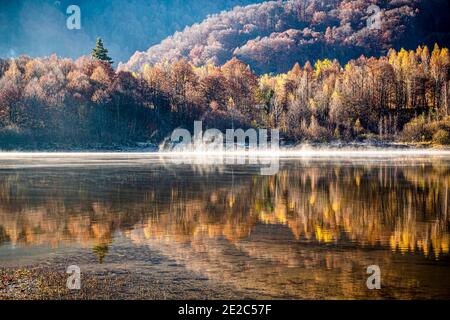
x=326 y=175
x=61 y=103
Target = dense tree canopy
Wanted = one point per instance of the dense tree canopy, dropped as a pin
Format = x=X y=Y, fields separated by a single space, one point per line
x=274 y=35
x=86 y=103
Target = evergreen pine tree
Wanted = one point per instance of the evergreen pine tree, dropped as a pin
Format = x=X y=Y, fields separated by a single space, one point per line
x=100 y=52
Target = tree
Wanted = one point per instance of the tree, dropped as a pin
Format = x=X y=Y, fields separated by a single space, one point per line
x=86 y=101
x=358 y=128
x=242 y=84
x=100 y=52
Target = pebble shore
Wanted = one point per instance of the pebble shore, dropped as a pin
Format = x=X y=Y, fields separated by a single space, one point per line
x=38 y=283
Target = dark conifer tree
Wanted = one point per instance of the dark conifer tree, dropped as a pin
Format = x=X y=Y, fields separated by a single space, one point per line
x=100 y=52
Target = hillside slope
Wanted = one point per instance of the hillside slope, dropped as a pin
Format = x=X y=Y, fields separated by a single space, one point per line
x=30 y=27
x=272 y=36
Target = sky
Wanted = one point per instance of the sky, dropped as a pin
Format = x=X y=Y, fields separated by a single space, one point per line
x=39 y=27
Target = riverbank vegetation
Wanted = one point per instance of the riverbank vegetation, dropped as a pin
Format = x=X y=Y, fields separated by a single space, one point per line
x=61 y=103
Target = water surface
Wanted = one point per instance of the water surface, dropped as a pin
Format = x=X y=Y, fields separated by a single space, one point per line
x=308 y=232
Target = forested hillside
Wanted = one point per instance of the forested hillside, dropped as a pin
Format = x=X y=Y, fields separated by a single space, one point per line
x=60 y=103
x=38 y=28
x=274 y=35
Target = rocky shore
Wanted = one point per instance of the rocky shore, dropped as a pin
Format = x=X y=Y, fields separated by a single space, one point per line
x=43 y=283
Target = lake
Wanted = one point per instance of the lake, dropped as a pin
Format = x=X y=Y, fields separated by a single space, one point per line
x=310 y=231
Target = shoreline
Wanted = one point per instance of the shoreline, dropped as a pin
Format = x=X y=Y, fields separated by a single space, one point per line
x=288 y=148
x=146 y=274
x=49 y=282
x=46 y=283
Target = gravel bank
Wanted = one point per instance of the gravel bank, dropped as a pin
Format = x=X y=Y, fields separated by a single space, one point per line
x=40 y=283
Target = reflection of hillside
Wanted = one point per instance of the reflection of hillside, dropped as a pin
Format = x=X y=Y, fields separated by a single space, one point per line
x=88 y=207
x=403 y=207
x=271 y=264
x=367 y=205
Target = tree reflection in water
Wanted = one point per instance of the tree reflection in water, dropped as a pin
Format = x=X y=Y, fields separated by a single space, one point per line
x=308 y=231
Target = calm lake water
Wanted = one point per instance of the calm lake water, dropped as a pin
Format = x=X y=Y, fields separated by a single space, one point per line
x=308 y=232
